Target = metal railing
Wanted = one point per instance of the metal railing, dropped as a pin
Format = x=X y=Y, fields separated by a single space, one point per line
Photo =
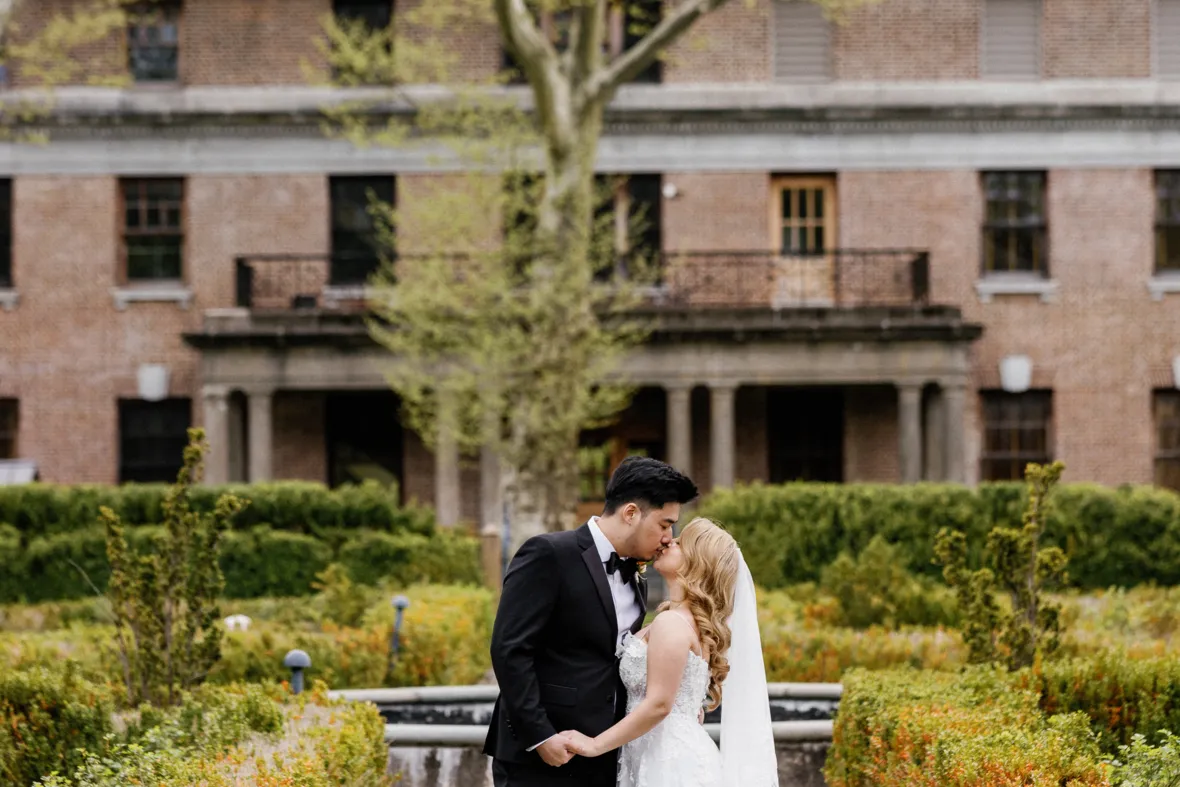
x=841 y=278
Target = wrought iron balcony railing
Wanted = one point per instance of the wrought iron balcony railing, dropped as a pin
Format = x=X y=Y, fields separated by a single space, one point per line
x=706 y=280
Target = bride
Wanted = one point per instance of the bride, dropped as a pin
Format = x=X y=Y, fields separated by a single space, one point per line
x=702 y=647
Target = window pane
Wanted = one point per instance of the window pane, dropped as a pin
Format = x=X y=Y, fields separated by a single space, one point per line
x=152 y=437
x=1016 y=432
x=786 y=200
x=801 y=197
x=818 y=195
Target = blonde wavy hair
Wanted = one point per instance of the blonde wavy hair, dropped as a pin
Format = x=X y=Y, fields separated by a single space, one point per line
x=708 y=574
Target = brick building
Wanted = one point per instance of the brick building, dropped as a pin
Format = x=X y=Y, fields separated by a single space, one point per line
x=862 y=222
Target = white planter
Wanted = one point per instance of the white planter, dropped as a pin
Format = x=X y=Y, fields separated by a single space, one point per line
x=1016 y=373
x=153 y=382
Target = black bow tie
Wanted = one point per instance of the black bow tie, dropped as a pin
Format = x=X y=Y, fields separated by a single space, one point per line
x=627 y=567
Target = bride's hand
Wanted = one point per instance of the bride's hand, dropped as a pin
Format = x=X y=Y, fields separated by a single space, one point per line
x=582 y=744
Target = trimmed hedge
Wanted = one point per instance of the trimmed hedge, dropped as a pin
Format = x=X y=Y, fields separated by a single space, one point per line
x=908 y=728
x=789 y=533
x=297 y=506
x=258 y=562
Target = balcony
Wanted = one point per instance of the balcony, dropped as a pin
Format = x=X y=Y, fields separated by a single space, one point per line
x=689 y=281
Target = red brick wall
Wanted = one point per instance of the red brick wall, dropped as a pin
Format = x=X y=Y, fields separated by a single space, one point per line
x=300 y=444
x=68 y=354
x=717 y=211
x=870 y=434
x=1087 y=39
x=730 y=45
x=909 y=40
x=260 y=42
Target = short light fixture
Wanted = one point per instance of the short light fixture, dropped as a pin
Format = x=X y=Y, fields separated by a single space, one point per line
x=1176 y=371
x=153 y=382
x=670 y=190
x=1016 y=373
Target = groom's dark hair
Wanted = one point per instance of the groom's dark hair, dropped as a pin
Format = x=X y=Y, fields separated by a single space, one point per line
x=649 y=483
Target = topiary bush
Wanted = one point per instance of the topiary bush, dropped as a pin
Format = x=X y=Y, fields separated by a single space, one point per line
x=404 y=559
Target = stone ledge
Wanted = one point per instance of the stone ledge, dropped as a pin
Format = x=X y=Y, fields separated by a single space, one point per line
x=1163 y=284
x=989 y=287
x=156 y=293
x=9 y=298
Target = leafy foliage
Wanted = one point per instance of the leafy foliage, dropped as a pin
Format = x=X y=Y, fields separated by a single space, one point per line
x=167 y=619
x=1031 y=628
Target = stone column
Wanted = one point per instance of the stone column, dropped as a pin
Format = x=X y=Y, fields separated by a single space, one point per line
x=216 y=400
x=954 y=395
x=909 y=429
x=491 y=495
x=679 y=403
x=934 y=468
x=721 y=433
x=447 y=493
x=261 y=429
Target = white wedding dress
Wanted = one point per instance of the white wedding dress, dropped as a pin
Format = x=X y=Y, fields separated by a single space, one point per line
x=677 y=752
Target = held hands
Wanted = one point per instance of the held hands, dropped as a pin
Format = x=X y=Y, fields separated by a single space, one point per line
x=556 y=751
x=582 y=745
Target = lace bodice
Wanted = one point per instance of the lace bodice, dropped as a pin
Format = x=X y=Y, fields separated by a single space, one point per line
x=677 y=752
x=694 y=684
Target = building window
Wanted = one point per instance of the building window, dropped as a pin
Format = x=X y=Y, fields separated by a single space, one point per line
x=373 y=14
x=152 y=438
x=632 y=205
x=1166 y=410
x=1167 y=221
x=153 y=42
x=629 y=23
x=1167 y=38
x=9 y=420
x=804 y=218
x=1011 y=45
x=802 y=42
x=5 y=232
x=1016 y=431
x=357 y=246
x=368 y=23
x=153 y=231
x=1015 y=232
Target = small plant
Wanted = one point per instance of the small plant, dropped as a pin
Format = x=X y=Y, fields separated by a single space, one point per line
x=338 y=598
x=167 y=619
x=1032 y=627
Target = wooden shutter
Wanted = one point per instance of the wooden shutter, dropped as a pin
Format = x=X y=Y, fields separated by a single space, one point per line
x=1167 y=38
x=1011 y=39
x=802 y=42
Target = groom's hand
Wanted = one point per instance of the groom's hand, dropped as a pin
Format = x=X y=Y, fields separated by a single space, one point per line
x=555 y=751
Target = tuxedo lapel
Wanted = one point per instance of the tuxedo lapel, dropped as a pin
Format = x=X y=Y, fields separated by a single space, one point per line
x=598 y=575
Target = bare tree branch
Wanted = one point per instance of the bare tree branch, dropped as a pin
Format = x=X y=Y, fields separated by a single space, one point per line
x=586 y=38
x=539 y=60
x=602 y=83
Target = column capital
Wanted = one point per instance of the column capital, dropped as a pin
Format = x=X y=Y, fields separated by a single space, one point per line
x=723 y=386
x=258 y=389
x=679 y=386
x=215 y=392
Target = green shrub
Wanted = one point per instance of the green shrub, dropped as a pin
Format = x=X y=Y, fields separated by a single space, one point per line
x=907 y=728
x=1142 y=765
x=73 y=565
x=37 y=510
x=1122 y=696
x=404 y=559
x=266 y=562
x=46 y=716
x=875 y=588
x=12 y=565
x=790 y=532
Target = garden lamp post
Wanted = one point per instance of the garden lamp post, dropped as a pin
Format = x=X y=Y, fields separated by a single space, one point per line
x=297 y=661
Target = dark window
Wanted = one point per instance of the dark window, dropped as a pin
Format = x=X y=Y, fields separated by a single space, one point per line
x=1167 y=220
x=357 y=245
x=153 y=42
x=1166 y=409
x=374 y=14
x=5 y=233
x=629 y=207
x=638 y=19
x=152 y=438
x=153 y=231
x=1014 y=228
x=1016 y=431
x=805 y=432
x=9 y=420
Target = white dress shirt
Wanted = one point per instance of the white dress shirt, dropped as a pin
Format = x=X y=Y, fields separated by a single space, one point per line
x=626 y=603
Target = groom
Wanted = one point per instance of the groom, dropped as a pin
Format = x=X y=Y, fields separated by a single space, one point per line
x=568 y=599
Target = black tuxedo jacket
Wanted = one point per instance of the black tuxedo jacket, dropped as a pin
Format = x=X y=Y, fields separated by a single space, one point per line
x=553 y=652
